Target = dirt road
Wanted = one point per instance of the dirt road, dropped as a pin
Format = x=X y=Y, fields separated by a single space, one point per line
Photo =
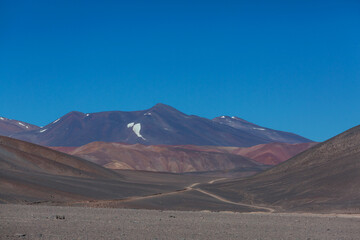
x=264 y=209
x=191 y=187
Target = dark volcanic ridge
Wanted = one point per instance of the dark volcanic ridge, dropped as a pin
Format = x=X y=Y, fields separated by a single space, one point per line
x=160 y=124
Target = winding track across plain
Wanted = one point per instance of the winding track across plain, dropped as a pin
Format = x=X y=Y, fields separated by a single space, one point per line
x=192 y=188
x=270 y=210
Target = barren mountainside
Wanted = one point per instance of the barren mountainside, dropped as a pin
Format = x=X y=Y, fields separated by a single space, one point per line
x=159 y=158
x=325 y=177
x=33 y=174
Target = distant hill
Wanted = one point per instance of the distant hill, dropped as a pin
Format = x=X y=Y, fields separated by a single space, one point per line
x=186 y=158
x=324 y=178
x=16 y=155
x=269 y=154
x=10 y=126
x=161 y=158
x=33 y=174
x=259 y=131
x=273 y=153
x=160 y=124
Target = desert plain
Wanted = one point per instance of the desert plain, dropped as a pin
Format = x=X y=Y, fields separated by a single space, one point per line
x=59 y=222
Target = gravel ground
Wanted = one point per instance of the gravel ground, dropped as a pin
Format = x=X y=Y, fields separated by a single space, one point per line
x=51 y=222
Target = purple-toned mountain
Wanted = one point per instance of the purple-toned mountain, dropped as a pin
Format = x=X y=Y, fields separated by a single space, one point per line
x=261 y=132
x=10 y=126
x=160 y=124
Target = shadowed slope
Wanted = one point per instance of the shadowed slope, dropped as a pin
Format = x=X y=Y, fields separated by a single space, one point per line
x=17 y=155
x=323 y=178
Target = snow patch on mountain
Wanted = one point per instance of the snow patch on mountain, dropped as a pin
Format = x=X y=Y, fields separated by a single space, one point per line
x=136 y=129
x=56 y=120
x=261 y=129
x=43 y=130
x=21 y=124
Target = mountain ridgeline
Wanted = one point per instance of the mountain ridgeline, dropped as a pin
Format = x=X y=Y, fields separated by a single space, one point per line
x=160 y=124
x=10 y=126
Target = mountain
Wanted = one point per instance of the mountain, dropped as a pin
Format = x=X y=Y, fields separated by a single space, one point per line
x=160 y=124
x=161 y=158
x=259 y=131
x=273 y=153
x=33 y=174
x=29 y=172
x=16 y=155
x=269 y=154
x=324 y=178
x=186 y=158
x=10 y=126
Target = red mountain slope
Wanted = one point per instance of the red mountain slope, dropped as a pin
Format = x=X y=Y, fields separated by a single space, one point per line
x=273 y=153
x=186 y=158
x=158 y=158
x=269 y=154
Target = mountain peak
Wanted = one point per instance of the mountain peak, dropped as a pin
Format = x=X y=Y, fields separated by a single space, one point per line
x=160 y=107
x=74 y=113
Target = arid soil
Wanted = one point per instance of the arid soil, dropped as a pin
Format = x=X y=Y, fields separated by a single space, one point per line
x=50 y=222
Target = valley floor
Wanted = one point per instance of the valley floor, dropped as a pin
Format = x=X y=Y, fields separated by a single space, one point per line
x=58 y=222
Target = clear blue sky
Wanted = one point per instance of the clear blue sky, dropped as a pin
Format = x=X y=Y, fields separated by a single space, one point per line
x=289 y=66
